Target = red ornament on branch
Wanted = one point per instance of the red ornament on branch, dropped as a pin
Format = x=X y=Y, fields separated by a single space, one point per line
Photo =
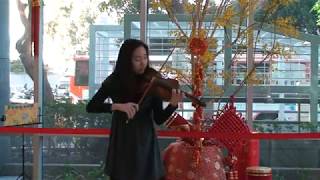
x=198 y=46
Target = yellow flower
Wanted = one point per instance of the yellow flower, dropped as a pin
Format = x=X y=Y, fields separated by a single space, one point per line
x=188 y=7
x=202 y=33
x=227 y=76
x=272 y=6
x=167 y=4
x=243 y=3
x=284 y=25
x=212 y=43
x=211 y=76
x=214 y=89
x=180 y=74
x=286 y=2
x=225 y=19
x=155 y=4
x=252 y=78
x=207 y=57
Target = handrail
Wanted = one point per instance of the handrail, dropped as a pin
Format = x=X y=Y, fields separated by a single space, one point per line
x=103 y=132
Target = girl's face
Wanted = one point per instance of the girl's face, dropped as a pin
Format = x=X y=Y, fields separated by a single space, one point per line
x=139 y=60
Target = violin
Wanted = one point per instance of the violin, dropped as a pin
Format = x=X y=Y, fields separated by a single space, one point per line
x=155 y=84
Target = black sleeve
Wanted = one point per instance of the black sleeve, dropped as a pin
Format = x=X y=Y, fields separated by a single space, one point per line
x=160 y=114
x=97 y=103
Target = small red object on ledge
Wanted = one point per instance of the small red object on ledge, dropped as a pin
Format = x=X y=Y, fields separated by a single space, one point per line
x=259 y=173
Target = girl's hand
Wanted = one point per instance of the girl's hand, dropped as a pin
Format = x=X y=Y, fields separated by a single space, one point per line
x=176 y=97
x=129 y=108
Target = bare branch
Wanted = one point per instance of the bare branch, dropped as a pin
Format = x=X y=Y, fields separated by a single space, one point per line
x=23 y=16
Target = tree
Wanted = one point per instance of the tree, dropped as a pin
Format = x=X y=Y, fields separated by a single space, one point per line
x=316 y=9
x=16 y=66
x=133 y=7
x=69 y=28
x=120 y=6
x=24 y=48
x=301 y=13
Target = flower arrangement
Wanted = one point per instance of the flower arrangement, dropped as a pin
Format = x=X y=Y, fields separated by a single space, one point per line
x=203 y=46
x=201 y=43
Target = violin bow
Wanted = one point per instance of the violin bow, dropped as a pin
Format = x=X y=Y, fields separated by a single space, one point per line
x=165 y=62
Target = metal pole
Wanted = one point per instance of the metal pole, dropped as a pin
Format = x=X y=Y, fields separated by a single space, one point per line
x=143 y=20
x=4 y=55
x=37 y=141
x=299 y=116
x=250 y=63
x=4 y=72
x=314 y=86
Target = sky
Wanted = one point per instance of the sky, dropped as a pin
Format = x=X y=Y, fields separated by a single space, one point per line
x=16 y=31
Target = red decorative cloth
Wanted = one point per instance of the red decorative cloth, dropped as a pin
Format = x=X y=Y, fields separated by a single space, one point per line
x=180 y=164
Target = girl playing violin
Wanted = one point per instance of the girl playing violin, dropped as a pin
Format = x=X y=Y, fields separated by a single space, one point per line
x=133 y=151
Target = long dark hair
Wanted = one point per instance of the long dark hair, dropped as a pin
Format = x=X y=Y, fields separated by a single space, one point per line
x=129 y=81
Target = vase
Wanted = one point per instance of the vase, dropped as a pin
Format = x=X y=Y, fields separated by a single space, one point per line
x=181 y=164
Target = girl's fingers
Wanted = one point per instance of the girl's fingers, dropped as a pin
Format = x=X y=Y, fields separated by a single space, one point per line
x=132 y=108
x=136 y=106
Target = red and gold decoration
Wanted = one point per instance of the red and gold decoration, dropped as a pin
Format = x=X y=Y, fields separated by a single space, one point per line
x=198 y=46
x=241 y=152
x=210 y=164
x=186 y=159
x=190 y=158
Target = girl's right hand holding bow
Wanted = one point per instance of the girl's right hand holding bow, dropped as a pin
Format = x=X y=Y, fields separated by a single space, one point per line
x=129 y=108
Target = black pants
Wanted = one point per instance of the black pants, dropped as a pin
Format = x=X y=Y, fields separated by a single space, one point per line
x=111 y=178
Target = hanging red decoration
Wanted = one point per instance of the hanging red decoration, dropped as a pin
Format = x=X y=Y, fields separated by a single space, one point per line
x=198 y=46
x=35 y=20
